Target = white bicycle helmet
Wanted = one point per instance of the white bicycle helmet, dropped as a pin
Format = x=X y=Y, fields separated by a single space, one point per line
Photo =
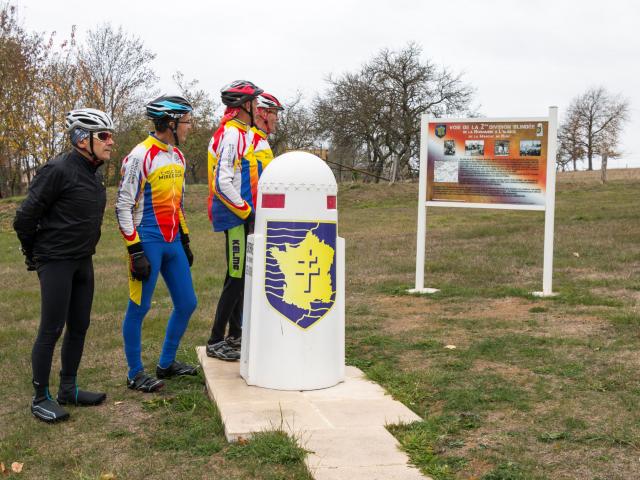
x=88 y=119
x=266 y=100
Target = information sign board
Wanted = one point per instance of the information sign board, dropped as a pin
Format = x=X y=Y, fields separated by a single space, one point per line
x=487 y=162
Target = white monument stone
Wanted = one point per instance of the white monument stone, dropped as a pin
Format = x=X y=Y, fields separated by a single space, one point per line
x=293 y=317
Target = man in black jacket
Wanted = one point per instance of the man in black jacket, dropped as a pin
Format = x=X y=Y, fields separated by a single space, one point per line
x=58 y=225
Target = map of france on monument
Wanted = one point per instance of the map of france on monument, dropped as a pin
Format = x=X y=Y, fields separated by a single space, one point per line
x=311 y=258
x=300 y=276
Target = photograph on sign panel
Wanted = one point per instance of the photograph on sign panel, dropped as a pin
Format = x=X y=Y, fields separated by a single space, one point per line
x=474 y=147
x=501 y=147
x=530 y=148
x=449 y=147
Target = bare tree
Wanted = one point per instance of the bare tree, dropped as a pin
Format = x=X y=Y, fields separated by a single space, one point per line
x=115 y=76
x=570 y=149
x=204 y=120
x=116 y=71
x=608 y=146
x=351 y=114
x=598 y=117
x=296 y=128
x=377 y=109
x=411 y=88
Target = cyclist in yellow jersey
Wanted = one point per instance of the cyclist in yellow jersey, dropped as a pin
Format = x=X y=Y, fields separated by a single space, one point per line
x=233 y=179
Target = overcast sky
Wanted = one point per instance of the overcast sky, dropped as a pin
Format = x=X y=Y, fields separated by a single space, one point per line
x=521 y=55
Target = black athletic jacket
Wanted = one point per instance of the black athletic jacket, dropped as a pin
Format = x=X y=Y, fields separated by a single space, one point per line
x=61 y=217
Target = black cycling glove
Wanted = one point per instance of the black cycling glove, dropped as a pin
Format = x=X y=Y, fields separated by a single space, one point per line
x=29 y=261
x=251 y=220
x=138 y=263
x=184 y=238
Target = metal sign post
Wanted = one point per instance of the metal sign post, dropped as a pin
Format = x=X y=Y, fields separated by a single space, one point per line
x=422 y=213
x=550 y=211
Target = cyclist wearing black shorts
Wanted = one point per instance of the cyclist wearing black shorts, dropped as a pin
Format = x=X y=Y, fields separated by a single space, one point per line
x=58 y=226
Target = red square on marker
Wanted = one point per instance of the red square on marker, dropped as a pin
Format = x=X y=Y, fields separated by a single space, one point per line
x=331 y=202
x=273 y=200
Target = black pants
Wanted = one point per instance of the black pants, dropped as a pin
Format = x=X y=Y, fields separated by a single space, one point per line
x=230 y=305
x=66 y=288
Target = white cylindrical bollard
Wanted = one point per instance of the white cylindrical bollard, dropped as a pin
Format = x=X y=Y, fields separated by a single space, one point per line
x=293 y=317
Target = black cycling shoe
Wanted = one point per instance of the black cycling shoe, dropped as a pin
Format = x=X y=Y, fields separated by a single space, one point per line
x=69 y=393
x=223 y=351
x=234 y=342
x=144 y=383
x=176 y=369
x=80 y=397
x=48 y=410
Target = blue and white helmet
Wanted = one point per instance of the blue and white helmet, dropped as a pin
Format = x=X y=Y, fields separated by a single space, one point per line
x=171 y=106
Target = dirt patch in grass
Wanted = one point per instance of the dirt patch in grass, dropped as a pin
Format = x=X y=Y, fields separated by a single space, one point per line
x=562 y=326
x=128 y=415
x=521 y=376
x=409 y=360
x=621 y=293
x=499 y=428
x=592 y=274
x=588 y=462
x=403 y=315
x=513 y=315
x=509 y=308
x=548 y=323
x=475 y=469
x=406 y=313
x=410 y=306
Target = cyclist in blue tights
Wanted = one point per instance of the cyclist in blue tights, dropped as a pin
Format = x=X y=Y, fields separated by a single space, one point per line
x=151 y=220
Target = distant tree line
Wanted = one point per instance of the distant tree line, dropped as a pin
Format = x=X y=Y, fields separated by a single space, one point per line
x=366 y=124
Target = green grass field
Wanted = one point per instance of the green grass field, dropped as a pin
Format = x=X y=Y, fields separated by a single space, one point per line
x=535 y=388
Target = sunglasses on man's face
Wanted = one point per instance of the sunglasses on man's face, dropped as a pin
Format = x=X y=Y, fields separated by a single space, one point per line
x=103 y=136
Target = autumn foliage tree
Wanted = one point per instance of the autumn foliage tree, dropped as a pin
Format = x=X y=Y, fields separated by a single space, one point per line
x=42 y=78
x=21 y=56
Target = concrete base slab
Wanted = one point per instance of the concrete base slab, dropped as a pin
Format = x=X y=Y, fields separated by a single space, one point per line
x=544 y=295
x=343 y=427
x=423 y=290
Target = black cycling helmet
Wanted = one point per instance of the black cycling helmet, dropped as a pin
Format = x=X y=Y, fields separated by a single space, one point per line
x=237 y=93
x=165 y=106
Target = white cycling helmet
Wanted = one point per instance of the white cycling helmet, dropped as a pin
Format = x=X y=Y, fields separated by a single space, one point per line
x=88 y=119
x=266 y=100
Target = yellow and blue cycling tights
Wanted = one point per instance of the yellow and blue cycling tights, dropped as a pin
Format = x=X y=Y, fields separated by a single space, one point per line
x=169 y=260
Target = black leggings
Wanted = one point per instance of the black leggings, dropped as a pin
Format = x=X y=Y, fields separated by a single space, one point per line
x=230 y=305
x=66 y=288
